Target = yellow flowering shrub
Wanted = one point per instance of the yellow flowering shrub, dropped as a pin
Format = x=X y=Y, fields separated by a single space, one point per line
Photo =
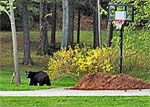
x=79 y=61
x=74 y=62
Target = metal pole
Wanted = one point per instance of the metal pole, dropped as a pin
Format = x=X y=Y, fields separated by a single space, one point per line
x=121 y=46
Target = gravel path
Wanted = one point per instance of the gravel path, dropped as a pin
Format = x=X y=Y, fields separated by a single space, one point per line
x=62 y=91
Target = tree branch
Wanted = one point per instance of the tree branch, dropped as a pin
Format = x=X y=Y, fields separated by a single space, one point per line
x=7 y=13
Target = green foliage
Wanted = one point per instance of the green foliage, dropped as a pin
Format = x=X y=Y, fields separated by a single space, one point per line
x=5 y=5
x=5 y=13
x=141 y=12
x=136 y=52
x=137 y=41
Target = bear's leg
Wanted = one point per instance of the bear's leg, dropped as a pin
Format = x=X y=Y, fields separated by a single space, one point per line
x=35 y=84
x=48 y=83
x=31 y=82
x=41 y=84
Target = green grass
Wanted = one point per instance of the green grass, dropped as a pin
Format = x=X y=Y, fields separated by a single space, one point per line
x=75 y=101
x=5 y=77
x=7 y=69
x=6 y=59
x=6 y=52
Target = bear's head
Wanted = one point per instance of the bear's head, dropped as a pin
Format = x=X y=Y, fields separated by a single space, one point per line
x=28 y=74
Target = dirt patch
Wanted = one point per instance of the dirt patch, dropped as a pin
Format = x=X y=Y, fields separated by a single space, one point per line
x=105 y=81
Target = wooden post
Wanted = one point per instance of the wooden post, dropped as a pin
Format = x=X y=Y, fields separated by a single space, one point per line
x=13 y=76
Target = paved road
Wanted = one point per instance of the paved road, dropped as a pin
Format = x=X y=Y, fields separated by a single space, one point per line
x=65 y=92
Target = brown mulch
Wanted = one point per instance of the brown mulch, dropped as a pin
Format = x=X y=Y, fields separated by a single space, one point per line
x=105 y=81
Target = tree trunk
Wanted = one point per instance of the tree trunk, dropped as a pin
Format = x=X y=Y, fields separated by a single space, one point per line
x=13 y=28
x=71 y=23
x=78 y=30
x=43 y=49
x=27 y=58
x=65 y=23
x=68 y=23
x=53 y=32
x=99 y=23
x=109 y=33
x=96 y=24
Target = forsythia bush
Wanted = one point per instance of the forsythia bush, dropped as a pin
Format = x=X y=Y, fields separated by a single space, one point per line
x=80 y=61
x=74 y=62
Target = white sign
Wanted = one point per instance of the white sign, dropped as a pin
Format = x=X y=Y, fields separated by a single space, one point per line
x=120 y=15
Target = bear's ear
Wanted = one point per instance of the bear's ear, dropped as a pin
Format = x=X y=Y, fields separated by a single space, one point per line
x=25 y=71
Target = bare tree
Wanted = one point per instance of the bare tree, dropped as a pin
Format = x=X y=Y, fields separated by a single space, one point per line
x=78 y=29
x=53 y=31
x=27 y=58
x=99 y=23
x=43 y=49
x=68 y=22
x=65 y=23
x=95 y=6
x=96 y=24
x=109 y=33
x=71 y=23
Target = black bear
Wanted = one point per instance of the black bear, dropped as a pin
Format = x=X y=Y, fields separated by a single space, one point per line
x=38 y=77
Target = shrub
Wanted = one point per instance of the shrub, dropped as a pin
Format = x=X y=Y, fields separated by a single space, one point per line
x=136 y=52
x=136 y=58
x=80 y=61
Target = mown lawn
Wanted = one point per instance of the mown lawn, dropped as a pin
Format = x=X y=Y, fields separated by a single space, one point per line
x=6 y=71
x=74 y=101
x=6 y=59
x=5 y=76
x=6 y=52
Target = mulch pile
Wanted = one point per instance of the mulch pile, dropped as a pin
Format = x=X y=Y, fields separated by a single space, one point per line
x=105 y=81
